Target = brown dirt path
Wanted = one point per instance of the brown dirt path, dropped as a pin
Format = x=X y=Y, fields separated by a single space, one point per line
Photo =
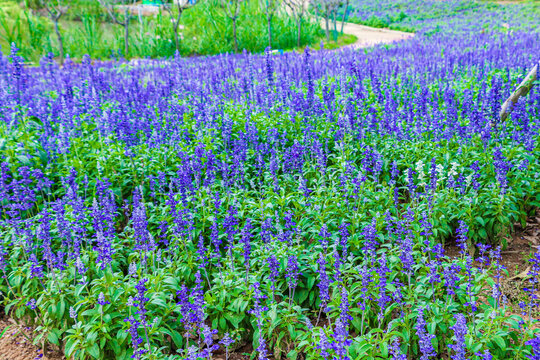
x=16 y=346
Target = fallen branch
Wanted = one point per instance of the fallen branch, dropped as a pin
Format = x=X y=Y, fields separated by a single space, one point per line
x=522 y=90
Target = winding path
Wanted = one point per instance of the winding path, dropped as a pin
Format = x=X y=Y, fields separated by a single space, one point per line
x=369 y=36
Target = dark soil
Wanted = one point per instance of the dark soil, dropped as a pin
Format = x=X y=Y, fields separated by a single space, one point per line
x=16 y=343
x=522 y=244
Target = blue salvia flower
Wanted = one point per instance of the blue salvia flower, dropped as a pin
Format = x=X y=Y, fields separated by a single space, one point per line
x=132 y=270
x=341 y=329
x=79 y=265
x=269 y=68
x=534 y=343
x=229 y=224
x=460 y=330
x=140 y=224
x=32 y=304
x=426 y=347
x=258 y=311
x=141 y=300
x=202 y=257
x=483 y=259
x=101 y=299
x=324 y=345
x=304 y=189
x=104 y=248
x=136 y=339
x=324 y=282
x=534 y=276
x=395 y=351
x=451 y=278
x=371 y=238
x=72 y=313
x=309 y=78
x=292 y=274
x=36 y=270
x=246 y=241
x=208 y=338
x=502 y=166
x=216 y=241
x=226 y=341
x=344 y=239
x=462 y=232
x=383 y=298
x=267 y=230
x=486 y=355
x=475 y=176
x=426 y=229
x=291 y=227
x=273 y=264
x=325 y=235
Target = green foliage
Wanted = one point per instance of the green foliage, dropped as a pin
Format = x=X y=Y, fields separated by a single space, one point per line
x=87 y=30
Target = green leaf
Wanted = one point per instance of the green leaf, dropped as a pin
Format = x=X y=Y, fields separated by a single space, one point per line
x=500 y=342
x=53 y=337
x=71 y=346
x=94 y=351
x=480 y=220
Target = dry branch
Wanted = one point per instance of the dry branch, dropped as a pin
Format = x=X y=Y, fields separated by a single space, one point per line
x=522 y=90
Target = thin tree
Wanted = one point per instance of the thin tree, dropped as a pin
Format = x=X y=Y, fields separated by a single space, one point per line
x=298 y=9
x=123 y=21
x=328 y=9
x=270 y=8
x=344 y=15
x=55 y=10
x=323 y=7
x=335 y=10
x=175 y=17
x=232 y=9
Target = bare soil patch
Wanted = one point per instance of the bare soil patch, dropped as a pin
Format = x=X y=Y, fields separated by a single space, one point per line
x=16 y=343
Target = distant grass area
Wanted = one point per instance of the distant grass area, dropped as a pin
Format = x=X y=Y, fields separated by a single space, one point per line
x=206 y=30
x=343 y=40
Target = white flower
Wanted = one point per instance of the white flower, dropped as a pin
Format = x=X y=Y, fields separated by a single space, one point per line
x=468 y=180
x=420 y=171
x=453 y=171
x=440 y=172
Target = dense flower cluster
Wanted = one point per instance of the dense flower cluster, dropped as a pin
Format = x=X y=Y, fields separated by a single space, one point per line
x=295 y=201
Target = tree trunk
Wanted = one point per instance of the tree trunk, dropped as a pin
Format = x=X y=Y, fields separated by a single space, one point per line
x=299 y=25
x=234 y=35
x=60 y=43
x=126 y=40
x=335 y=25
x=344 y=16
x=176 y=42
x=126 y=33
x=269 y=19
x=326 y=18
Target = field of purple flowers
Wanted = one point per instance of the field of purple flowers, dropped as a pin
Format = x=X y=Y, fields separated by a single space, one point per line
x=431 y=17
x=300 y=203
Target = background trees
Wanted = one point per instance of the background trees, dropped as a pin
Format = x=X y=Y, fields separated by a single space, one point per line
x=55 y=10
x=122 y=20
